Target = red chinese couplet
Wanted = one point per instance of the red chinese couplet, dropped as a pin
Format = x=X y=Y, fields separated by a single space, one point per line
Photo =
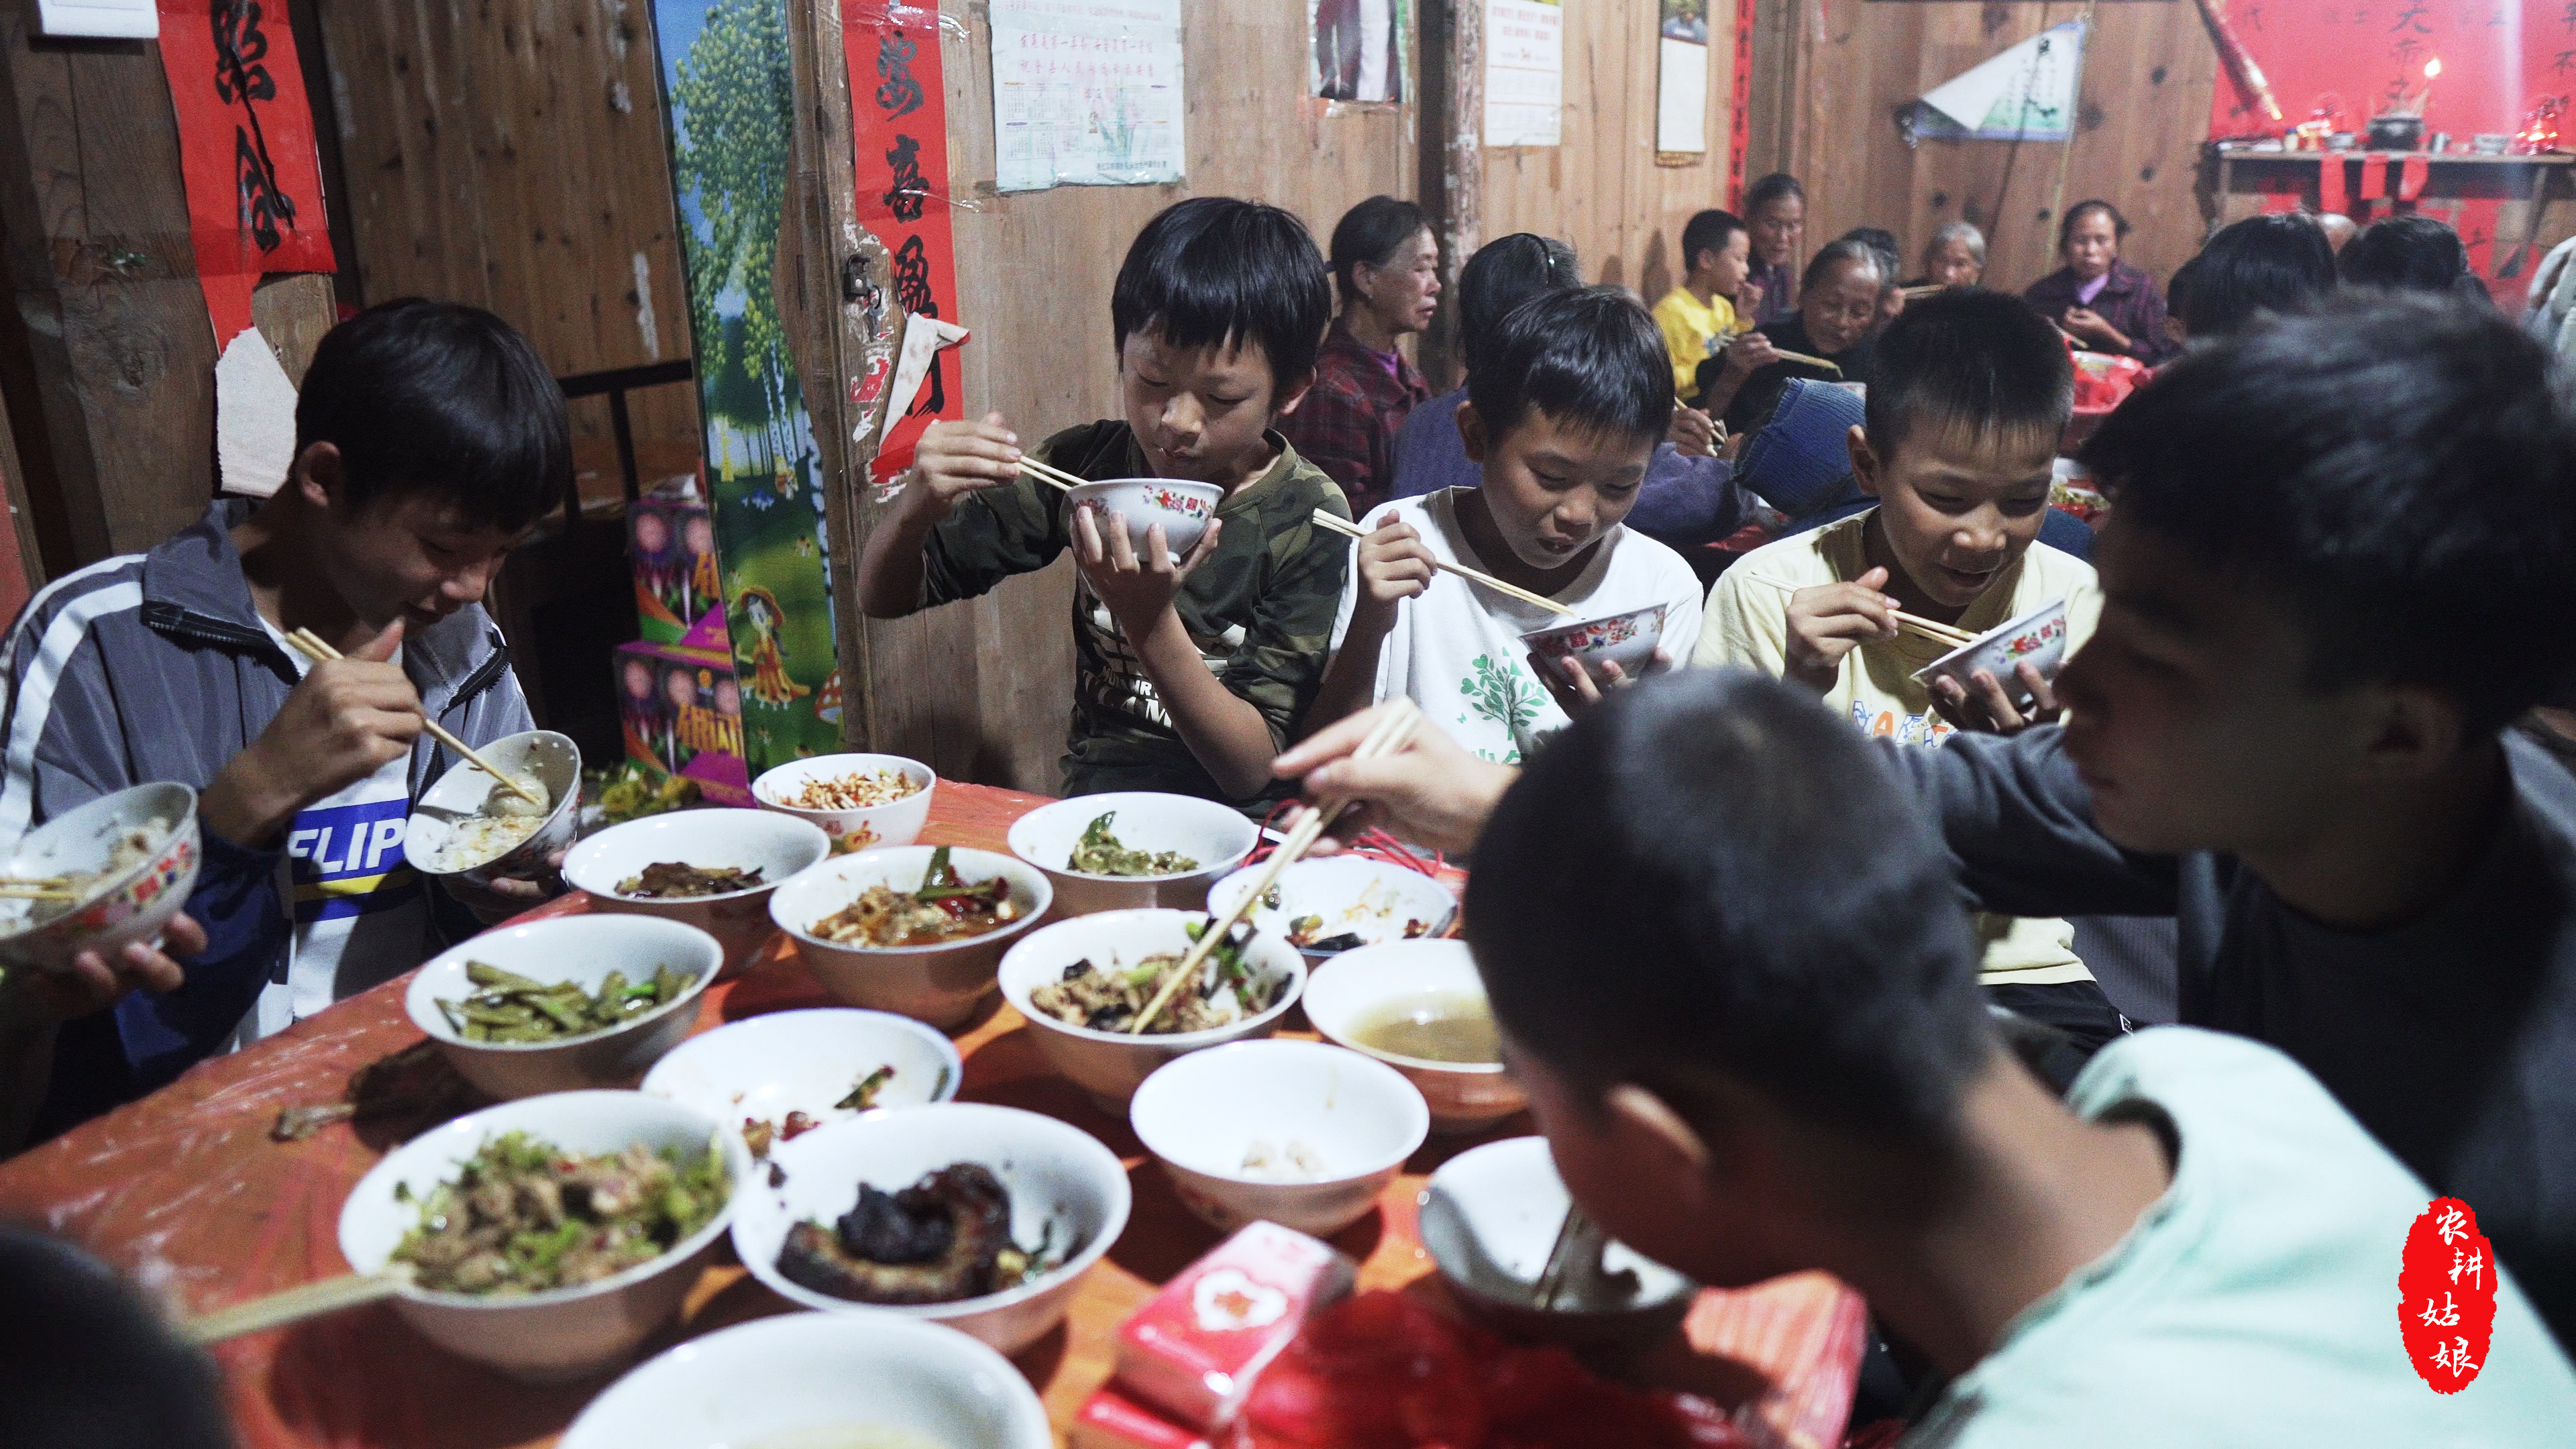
x=900 y=119
x=1739 y=106
x=253 y=179
x=2446 y=1292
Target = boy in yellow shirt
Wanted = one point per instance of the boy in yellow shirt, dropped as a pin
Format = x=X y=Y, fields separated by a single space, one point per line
x=1699 y=315
x=1960 y=436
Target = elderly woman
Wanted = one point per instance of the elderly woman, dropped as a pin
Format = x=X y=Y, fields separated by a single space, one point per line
x=2102 y=302
x=1955 y=257
x=1837 y=311
x=1775 y=208
x=1386 y=266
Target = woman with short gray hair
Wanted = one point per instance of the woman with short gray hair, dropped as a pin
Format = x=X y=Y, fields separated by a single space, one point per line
x=1955 y=257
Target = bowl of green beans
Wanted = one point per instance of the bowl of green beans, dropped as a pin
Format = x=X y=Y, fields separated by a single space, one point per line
x=564 y=1004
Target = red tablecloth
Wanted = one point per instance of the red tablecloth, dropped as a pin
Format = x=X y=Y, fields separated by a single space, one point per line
x=186 y=1191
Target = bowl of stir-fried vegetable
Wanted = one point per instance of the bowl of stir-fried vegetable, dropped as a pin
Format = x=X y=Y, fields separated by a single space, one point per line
x=552 y=1006
x=1083 y=983
x=713 y=869
x=916 y=930
x=1133 y=849
x=548 y=1237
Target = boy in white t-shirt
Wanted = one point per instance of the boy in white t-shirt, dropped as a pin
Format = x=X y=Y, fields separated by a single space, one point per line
x=1566 y=400
x=1958 y=441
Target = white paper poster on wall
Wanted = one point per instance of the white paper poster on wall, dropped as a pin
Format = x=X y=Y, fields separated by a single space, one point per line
x=1681 y=99
x=1086 y=93
x=2025 y=94
x=1524 y=72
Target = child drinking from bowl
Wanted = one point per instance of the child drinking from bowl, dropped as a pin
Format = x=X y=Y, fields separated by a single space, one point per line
x=429 y=438
x=1189 y=675
x=1567 y=397
x=1957 y=445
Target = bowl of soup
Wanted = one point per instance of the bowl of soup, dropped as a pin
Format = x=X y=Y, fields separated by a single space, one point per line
x=1420 y=1007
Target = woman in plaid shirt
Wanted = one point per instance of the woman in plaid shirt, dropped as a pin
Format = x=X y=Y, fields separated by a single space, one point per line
x=1387 y=267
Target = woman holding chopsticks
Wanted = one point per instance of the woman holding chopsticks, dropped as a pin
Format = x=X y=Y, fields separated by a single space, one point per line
x=1829 y=339
x=429 y=437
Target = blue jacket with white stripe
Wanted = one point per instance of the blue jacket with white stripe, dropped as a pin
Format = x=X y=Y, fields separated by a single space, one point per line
x=154 y=666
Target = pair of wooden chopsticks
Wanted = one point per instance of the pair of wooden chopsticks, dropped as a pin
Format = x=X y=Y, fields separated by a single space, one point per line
x=1809 y=358
x=1917 y=294
x=1337 y=524
x=30 y=890
x=316 y=647
x=1931 y=629
x=1392 y=734
x=1048 y=473
x=294 y=1305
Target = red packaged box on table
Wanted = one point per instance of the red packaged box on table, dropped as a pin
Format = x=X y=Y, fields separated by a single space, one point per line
x=1192 y=1352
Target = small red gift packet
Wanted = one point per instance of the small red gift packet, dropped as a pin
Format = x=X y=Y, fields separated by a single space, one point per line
x=1193 y=1351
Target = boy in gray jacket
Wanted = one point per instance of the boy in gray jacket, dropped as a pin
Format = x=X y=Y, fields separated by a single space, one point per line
x=429 y=439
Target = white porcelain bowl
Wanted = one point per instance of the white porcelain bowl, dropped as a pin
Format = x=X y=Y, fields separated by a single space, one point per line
x=552 y=758
x=1182 y=507
x=1490 y=1217
x=1349 y=992
x=135 y=904
x=818 y=1381
x=806 y=1061
x=570 y=948
x=1627 y=640
x=1350 y=895
x=1352 y=1119
x=779 y=844
x=1217 y=836
x=1056 y=1174
x=939 y=984
x=571 y=1332
x=860 y=827
x=1111 y=1065
x=2037 y=638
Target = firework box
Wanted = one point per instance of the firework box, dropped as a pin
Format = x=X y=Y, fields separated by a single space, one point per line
x=1193 y=1351
x=679 y=591
x=682 y=713
x=1111 y=1420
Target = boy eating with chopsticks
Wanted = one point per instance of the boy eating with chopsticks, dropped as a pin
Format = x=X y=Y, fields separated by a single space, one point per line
x=1189 y=675
x=1957 y=443
x=1567 y=397
x=429 y=439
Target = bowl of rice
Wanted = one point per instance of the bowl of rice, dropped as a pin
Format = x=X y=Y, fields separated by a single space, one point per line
x=861 y=801
x=113 y=871
x=472 y=826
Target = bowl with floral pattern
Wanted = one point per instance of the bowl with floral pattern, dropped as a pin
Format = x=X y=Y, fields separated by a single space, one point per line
x=1627 y=640
x=1182 y=507
x=2037 y=638
x=113 y=871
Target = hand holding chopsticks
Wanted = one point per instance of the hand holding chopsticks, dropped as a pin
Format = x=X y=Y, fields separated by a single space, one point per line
x=315 y=647
x=1933 y=630
x=1338 y=524
x=1392 y=734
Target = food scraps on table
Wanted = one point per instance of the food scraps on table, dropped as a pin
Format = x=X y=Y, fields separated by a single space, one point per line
x=1100 y=853
x=514 y=1008
x=417 y=1083
x=945 y=908
x=1108 y=998
x=855 y=791
x=945 y=1238
x=525 y=1216
x=672 y=880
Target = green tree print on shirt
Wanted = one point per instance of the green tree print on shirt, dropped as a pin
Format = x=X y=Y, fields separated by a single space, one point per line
x=1501 y=693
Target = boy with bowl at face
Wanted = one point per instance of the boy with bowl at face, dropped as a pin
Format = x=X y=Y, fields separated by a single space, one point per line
x=1763 y=1051
x=1189 y=675
x=1567 y=397
x=1959 y=434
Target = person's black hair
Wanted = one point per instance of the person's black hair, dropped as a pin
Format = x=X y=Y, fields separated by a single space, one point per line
x=438 y=398
x=1590 y=357
x=1756 y=896
x=2410 y=253
x=1778 y=186
x=1985 y=360
x=1370 y=233
x=1835 y=253
x=2393 y=469
x=2261 y=264
x=1708 y=231
x=2179 y=288
x=84 y=1364
x=2077 y=212
x=1216 y=271
x=1506 y=272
